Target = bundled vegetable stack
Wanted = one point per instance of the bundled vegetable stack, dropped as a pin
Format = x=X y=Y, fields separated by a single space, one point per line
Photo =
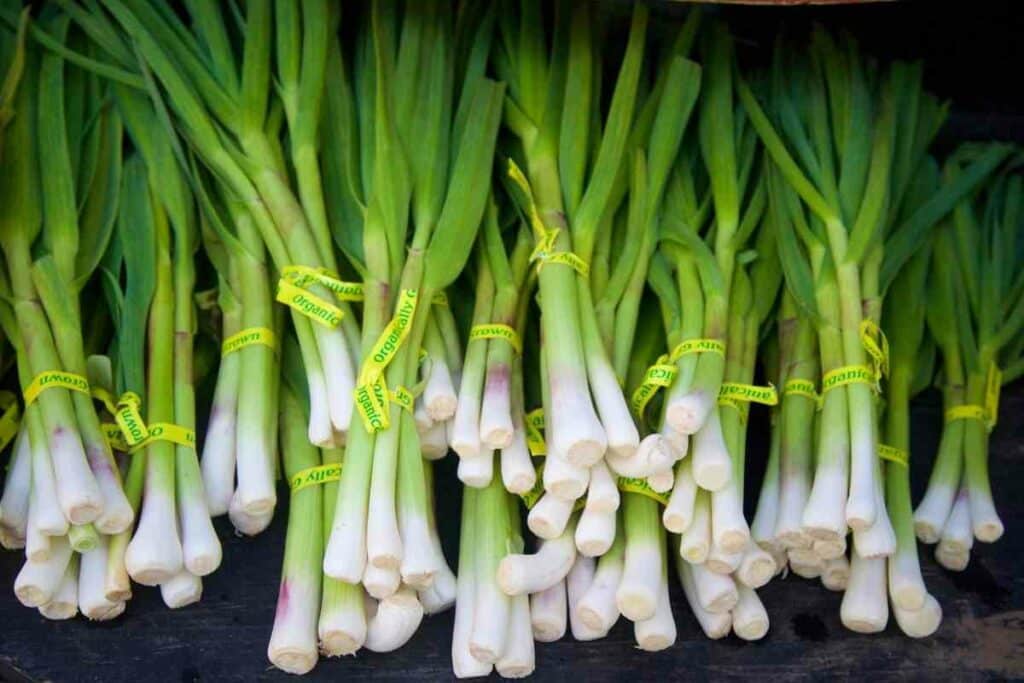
x=870 y=204
x=975 y=313
x=491 y=228
x=63 y=497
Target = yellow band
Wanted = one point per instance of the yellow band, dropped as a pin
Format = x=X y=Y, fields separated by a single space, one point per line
x=848 y=374
x=127 y=414
x=564 y=258
x=689 y=346
x=168 y=431
x=874 y=342
x=742 y=408
x=967 y=412
x=993 y=383
x=497 y=331
x=748 y=393
x=540 y=233
x=112 y=433
x=534 y=424
x=544 y=251
x=371 y=404
x=248 y=337
x=54 y=379
x=656 y=377
x=314 y=476
x=9 y=420
x=403 y=398
x=893 y=454
x=391 y=338
x=308 y=304
x=371 y=393
x=988 y=413
x=802 y=387
x=640 y=485
x=303 y=276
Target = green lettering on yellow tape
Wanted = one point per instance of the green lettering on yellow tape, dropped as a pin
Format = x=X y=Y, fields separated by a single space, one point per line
x=314 y=476
x=303 y=276
x=690 y=346
x=497 y=331
x=657 y=376
x=54 y=379
x=802 y=387
x=167 y=431
x=308 y=304
x=848 y=374
x=534 y=424
x=893 y=454
x=390 y=340
x=112 y=433
x=248 y=337
x=748 y=393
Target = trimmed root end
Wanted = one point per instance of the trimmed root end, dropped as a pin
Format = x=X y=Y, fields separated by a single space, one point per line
x=753 y=629
x=293 y=660
x=927 y=532
x=989 y=531
x=655 y=643
x=864 y=624
x=84 y=513
x=152 y=576
x=733 y=541
x=339 y=643
x=636 y=603
x=712 y=476
x=585 y=452
x=593 y=548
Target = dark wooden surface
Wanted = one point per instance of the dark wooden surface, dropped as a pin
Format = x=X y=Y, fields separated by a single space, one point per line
x=974 y=54
x=224 y=637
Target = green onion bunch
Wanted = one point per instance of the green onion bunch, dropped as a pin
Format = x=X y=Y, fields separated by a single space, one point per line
x=64 y=498
x=568 y=242
x=974 y=314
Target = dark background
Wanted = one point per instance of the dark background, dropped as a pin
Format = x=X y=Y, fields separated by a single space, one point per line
x=973 y=55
